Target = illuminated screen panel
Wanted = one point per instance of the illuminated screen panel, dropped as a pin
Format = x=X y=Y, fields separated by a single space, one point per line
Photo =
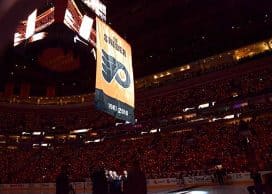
x=98 y=7
x=86 y=27
x=73 y=17
x=69 y=20
x=45 y=19
x=79 y=23
x=30 y=27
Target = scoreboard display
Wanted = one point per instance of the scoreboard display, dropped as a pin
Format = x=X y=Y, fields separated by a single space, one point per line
x=31 y=29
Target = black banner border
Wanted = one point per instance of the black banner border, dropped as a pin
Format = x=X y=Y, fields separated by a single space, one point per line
x=102 y=102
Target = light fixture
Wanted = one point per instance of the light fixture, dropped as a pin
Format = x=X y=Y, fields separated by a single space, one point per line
x=80 y=131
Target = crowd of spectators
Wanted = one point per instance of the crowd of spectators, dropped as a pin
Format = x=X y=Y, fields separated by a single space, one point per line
x=191 y=152
x=219 y=90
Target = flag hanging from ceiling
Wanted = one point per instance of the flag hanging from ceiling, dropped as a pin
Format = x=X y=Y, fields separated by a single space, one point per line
x=114 y=89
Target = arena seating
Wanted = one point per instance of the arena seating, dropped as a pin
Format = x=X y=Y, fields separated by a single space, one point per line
x=185 y=147
x=161 y=155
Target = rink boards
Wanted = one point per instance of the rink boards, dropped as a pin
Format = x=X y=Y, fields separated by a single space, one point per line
x=152 y=184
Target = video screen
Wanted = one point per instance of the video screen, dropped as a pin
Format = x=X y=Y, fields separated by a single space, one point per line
x=31 y=28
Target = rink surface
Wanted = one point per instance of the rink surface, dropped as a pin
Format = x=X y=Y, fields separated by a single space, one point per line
x=227 y=189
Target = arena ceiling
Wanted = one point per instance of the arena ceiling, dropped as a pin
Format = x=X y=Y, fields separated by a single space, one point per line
x=169 y=33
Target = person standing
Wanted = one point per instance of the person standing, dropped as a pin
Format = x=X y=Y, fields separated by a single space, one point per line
x=219 y=174
x=258 y=186
x=99 y=180
x=115 y=186
x=62 y=181
x=136 y=180
x=181 y=179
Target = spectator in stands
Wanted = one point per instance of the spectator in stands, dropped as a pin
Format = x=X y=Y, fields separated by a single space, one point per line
x=270 y=150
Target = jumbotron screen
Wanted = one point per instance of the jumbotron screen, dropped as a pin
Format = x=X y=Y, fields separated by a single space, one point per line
x=31 y=29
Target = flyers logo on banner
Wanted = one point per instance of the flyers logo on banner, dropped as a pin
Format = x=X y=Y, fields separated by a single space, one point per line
x=110 y=68
x=114 y=91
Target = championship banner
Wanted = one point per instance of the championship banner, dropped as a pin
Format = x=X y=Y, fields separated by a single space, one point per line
x=114 y=90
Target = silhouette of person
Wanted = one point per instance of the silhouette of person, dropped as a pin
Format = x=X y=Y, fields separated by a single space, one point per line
x=258 y=186
x=268 y=183
x=219 y=174
x=62 y=181
x=99 y=180
x=136 y=180
x=71 y=189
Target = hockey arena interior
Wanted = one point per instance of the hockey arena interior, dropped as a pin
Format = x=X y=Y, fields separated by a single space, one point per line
x=135 y=97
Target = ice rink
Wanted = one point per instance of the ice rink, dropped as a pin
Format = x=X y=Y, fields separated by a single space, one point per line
x=233 y=189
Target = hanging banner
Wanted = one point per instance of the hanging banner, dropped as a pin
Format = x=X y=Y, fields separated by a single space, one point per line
x=114 y=90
